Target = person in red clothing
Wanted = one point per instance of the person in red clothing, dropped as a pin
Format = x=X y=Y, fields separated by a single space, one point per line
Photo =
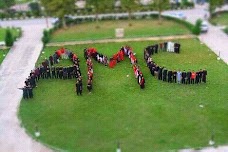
x=142 y=82
x=193 y=77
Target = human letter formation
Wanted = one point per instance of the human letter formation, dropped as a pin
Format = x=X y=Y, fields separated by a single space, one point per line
x=167 y=75
x=48 y=70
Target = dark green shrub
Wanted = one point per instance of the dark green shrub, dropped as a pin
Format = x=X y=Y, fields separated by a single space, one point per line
x=46 y=37
x=226 y=30
x=9 y=40
x=197 y=28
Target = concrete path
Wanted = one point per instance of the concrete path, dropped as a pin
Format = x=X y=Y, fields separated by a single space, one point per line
x=215 y=38
x=13 y=71
x=164 y=38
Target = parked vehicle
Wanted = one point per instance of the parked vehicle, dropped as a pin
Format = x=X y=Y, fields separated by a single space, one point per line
x=204 y=27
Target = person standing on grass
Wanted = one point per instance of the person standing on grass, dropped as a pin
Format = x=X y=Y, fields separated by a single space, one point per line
x=170 y=74
x=77 y=89
x=175 y=76
x=89 y=85
x=25 y=92
x=193 y=77
x=183 y=76
x=204 y=76
x=188 y=77
x=200 y=75
x=179 y=76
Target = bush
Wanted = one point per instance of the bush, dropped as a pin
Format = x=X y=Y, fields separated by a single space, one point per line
x=226 y=30
x=197 y=28
x=46 y=37
x=9 y=40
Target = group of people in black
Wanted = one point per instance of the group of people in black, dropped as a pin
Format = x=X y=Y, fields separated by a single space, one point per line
x=176 y=76
x=48 y=70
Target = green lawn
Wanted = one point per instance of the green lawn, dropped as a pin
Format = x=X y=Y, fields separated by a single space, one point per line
x=161 y=117
x=3 y=54
x=221 y=19
x=3 y=31
x=139 y=28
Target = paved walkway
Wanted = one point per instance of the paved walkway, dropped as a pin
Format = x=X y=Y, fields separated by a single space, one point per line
x=13 y=71
x=215 y=38
x=122 y=40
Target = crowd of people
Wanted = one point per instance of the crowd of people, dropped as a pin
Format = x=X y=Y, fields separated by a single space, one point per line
x=172 y=76
x=127 y=51
x=48 y=70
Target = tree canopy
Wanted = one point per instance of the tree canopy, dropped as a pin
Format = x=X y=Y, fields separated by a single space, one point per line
x=59 y=8
x=215 y=3
x=160 y=6
x=130 y=6
x=5 y=4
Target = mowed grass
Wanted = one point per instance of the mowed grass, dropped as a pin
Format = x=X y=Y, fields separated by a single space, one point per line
x=161 y=117
x=221 y=19
x=3 y=54
x=106 y=30
x=3 y=32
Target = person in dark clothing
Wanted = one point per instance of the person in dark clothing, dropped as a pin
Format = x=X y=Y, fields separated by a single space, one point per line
x=188 y=77
x=30 y=91
x=61 y=72
x=164 y=74
x=51 y=60
x=48 y=71
x=170 y=74
x=183 y=80
x=25 y=92
x=53 y=72
x=197 y=78
x=175 y=76
x=80 y=85
x=33 y=81
x=200 y=75
x=160 y=70
x=42 y=71
x=57 y=72
x=204 y=75
x=64 y=73
x=89 y=85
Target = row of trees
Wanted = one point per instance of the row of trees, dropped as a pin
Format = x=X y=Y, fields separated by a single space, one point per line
x=60 y=8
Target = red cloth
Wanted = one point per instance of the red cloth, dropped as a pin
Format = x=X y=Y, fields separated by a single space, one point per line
x=121 y=55
x=112 y=63
x=193 y=76
x=62 y=50
x=74 y=57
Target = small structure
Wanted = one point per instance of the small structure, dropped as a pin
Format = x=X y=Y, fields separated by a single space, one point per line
x=119 y=32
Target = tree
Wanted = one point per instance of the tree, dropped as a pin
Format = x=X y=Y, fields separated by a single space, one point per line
x=100 y=6
x=6 y=4
x=213 y=4
x=35 y=8
x=9 y=38
x=59 y=8
x=160 y=6
x=130 y=6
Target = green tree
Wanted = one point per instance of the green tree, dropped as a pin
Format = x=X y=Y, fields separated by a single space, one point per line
x=5 y=4
x=213 y=4
x=59 y=8
x=130 y=6
x=35 y=8
x=9 y=40
x=160 y=6
x=99 y=6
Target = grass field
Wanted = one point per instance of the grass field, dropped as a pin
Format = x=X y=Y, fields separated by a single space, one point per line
x=3 y=31
x=221 y=19
x=139 y=28
x=161 y=117
x=3 y=54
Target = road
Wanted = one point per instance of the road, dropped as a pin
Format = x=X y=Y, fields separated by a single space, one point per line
x=13 y=71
